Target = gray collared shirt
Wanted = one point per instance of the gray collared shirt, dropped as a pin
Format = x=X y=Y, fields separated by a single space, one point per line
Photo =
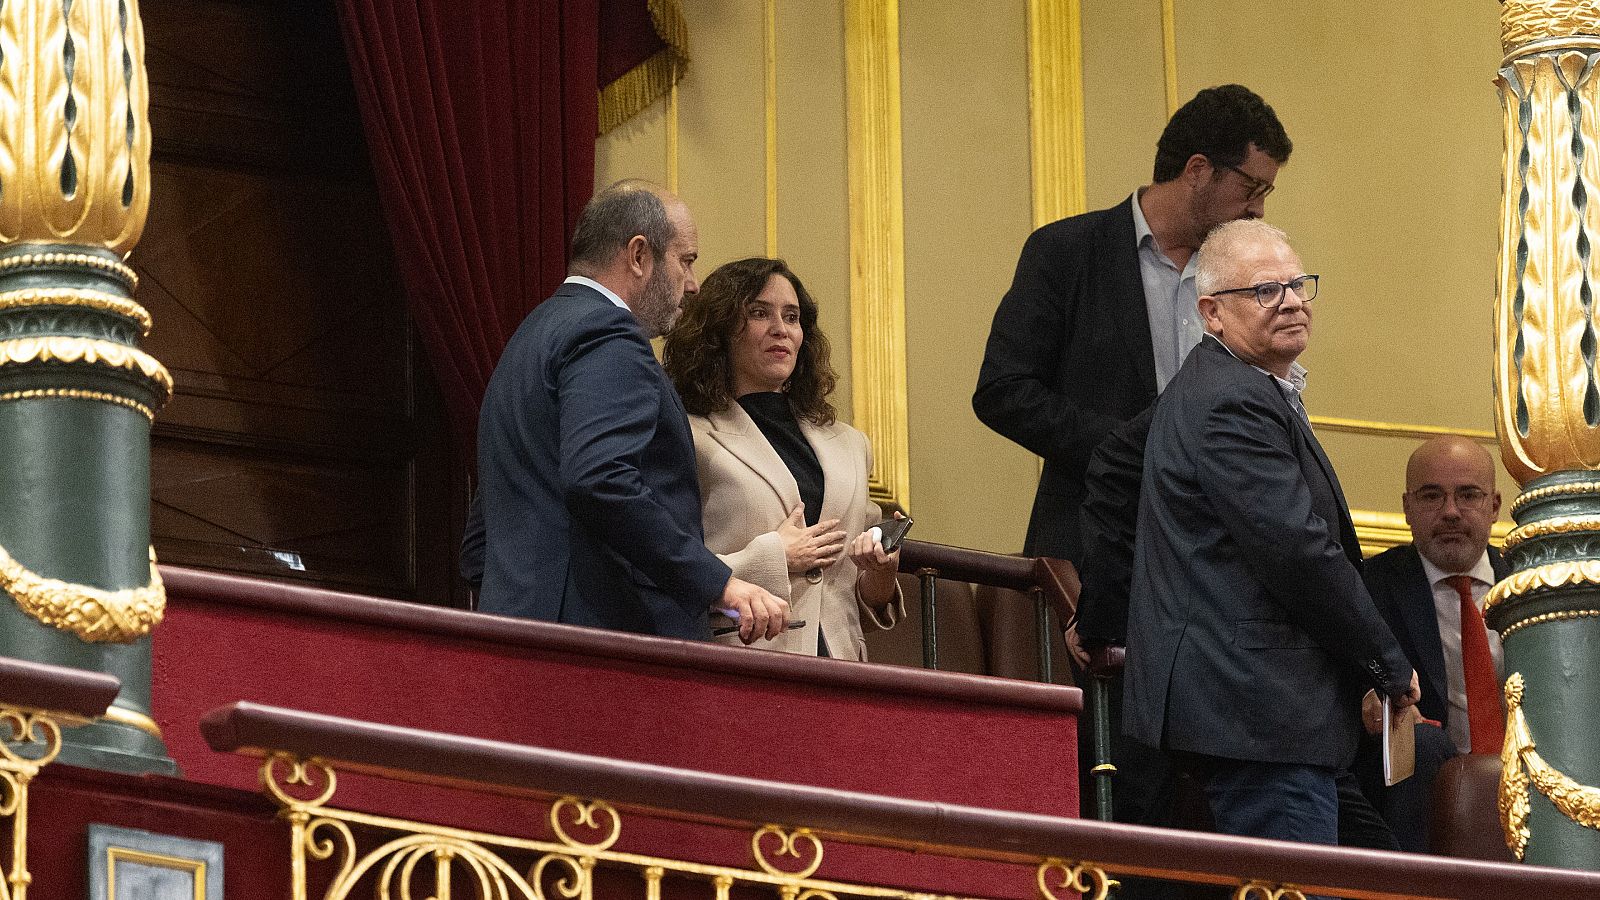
x=1169 y=299
x=1292 y=387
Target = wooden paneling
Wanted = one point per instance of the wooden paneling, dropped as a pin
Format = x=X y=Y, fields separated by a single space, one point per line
x=305 y=440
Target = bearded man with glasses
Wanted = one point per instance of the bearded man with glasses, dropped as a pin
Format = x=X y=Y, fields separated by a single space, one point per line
x=1251 y=636
x=1431 y=592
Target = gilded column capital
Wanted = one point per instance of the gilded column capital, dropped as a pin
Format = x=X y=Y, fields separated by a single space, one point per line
x=1523 y=22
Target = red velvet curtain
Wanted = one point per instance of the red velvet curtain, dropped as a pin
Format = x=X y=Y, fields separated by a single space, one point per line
x=481 y=120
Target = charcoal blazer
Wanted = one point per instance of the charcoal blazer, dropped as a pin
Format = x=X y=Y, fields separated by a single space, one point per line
x=588 y=490
x=748 y=492
x=1250 y=633
x=1400 y=588
x=1068 y=358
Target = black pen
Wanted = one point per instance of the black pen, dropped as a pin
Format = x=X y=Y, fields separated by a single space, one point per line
x=730 y=629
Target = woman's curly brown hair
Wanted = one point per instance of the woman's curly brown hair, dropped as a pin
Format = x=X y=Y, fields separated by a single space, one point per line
x=697 y=351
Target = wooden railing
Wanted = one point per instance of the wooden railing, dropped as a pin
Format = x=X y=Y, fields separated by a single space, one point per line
x=36 y=701
x=1052 y=583
x=1063 y=856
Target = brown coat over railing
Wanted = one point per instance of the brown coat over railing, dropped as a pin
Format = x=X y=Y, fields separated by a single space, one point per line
x=969 y=832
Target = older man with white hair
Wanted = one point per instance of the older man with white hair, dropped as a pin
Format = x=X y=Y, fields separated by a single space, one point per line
x=1251 y=636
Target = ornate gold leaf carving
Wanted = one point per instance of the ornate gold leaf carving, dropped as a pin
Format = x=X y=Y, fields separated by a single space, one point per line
x=121 y=271
x=788 y=845
x=1561 y=615
x=74 y=129
x=87 y=299
x=1569 y=573
x=90 y=351
x=1548 y=527
x=93 y=614
x=1525 y=21
x=1520 y=764
x=75 y=394
x=1554 y=490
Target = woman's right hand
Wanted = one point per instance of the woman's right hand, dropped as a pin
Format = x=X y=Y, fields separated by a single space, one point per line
x=810 y=548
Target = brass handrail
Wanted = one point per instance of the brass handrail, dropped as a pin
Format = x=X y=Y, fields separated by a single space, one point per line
x=307 y=744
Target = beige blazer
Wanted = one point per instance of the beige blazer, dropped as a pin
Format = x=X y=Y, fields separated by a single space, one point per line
x=746 y=492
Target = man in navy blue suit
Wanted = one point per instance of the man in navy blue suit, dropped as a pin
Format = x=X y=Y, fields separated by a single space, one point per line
x=590 y=504
x=1450 y=503
x=1250 y=634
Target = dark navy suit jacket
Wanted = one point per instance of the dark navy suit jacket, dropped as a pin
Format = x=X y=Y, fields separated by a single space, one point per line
x=1405 y=599
x=1068 y=358
x=1250 y=633
x=590 y=502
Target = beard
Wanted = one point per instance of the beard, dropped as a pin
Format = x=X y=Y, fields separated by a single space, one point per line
x=658 y=306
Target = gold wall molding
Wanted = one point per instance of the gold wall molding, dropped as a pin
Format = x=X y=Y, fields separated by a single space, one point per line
x=1378 y=530
x=1169 y=55
x=83 y=177
x=877 y=243
x=672 y=136
x=769 y=66
x=1397 y=429
x=1055 y=109
x=77 y=297
x=94 y=614
x=1521 y=764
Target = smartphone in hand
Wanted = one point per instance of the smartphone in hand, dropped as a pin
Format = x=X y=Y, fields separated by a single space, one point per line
x=892 y=532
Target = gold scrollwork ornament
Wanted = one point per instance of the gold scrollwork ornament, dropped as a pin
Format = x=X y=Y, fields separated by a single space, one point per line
x=299 y=775
x=583 y=814
x=788 y=845
x=1080 y=878
x=1260 y=890
x=93 y=614
x=1522 y=765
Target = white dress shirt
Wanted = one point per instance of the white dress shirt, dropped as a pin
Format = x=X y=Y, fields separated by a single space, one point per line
x=605 y=291
x=1169 y=297
x=1447 y=604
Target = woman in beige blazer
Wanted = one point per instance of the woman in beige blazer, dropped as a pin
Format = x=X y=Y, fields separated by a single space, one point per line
x=783 y=484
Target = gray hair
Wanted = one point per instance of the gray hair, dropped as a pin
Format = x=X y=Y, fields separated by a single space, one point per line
x=1215 y=257
x=631 y=207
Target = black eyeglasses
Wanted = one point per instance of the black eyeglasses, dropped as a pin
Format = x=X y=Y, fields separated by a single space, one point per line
x=1258 y=188
x=1270 y=293
x=1430 y=499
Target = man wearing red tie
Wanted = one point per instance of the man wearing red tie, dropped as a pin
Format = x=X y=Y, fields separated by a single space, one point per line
x=1431 y=593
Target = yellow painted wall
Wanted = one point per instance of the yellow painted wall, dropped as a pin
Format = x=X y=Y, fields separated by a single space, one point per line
x=1391 y=196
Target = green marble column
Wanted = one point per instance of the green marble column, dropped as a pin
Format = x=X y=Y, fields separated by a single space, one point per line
x=77 y=395
x=1547 y=403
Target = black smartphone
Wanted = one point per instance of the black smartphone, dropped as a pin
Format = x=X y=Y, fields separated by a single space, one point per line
x=730 y=629
x=894 y=531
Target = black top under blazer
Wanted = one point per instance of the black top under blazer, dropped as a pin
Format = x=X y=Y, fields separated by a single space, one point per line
x=1400 y=588
x=1250 y=633
x=1068 y=358
x=590 y=501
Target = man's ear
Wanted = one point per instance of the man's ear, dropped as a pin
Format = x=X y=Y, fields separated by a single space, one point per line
x=1198 y=166
x=1210 y=313
x=639 y=258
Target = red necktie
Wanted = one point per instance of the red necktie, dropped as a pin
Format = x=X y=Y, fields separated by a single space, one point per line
x=1484 y=714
